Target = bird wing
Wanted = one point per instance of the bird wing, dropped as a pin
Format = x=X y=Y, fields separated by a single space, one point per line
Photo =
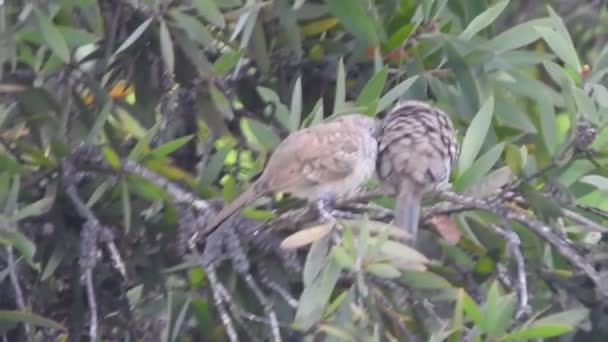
x=313 y=156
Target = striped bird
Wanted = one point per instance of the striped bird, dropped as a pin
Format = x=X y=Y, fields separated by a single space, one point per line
x=417 y=148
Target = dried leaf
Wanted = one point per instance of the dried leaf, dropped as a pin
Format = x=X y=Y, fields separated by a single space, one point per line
x=305 y=237
x=447 y=228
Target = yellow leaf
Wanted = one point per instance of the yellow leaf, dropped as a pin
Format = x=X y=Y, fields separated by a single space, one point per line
x=319 y=26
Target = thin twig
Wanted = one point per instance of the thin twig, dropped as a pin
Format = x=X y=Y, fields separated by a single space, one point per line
x=539 y=228
x=514 y=244
x=584 y=222
x=93 y=322
x=116 y=259
x=219 y=303
x=19 y=298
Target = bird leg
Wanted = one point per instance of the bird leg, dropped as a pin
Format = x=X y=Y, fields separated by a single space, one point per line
x=324 y=205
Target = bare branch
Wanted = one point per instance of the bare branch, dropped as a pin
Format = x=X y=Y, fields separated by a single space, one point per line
x=539 y=228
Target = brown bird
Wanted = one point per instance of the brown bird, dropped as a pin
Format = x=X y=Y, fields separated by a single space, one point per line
x=417 y=147
x=329 y=159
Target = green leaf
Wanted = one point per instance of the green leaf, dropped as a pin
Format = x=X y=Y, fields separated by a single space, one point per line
x=281 y=112
x=342 y=257
x=221 y=102
x=259 y=134
x=194 y=29
x=76 y=38
x=458 y=317
x=504 y=320
x=476 y=135
x=129 y=124
x=8 y=164
x=335 y=305
x=144 y=142
x=479 y=168
x=518 y=36
x=424 y=280
x=483 y=20
x=391 y=96
x=181 y=318
x=21 y=243
x=340 y=96
x=354 y=18
x=100 y=121
x=400 y=253
x=599 y=182
x=167 y=148
x=401 y=35
x=52 y=36
x=562 y=46
x=3 y=114
x=537 y=332
x=548 y=125
x=552 y=325
x=37 y=208
x=296 y=106
x=491 y=310
x=373 y=89
x=208 y=9
x=166 y=47
x=315 y=297
x=214 y=166
x=15 y=316
x=585 y=105
x=513 y=158
x=474 y=312
x=134 y=36
x=382 y=270
x=53 y=262
x=111 y=157
x=227 y=61
x=315 y=260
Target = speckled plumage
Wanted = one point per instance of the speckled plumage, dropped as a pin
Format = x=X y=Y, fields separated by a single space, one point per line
x=330 y=158
x=417 y=147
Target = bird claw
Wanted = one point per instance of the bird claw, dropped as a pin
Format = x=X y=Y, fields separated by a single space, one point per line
x=324 y=206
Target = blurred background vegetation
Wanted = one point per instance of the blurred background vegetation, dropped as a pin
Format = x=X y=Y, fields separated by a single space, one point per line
x=201 y=91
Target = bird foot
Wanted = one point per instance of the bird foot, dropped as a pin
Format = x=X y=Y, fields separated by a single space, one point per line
x=324 y=206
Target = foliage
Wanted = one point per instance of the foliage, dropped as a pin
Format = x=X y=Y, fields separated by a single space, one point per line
x=201 y=92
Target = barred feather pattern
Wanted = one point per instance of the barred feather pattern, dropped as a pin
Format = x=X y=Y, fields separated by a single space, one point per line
x=417 y=148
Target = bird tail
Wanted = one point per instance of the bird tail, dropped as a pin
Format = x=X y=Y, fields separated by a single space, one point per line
x=407 y=209
x=243 y=200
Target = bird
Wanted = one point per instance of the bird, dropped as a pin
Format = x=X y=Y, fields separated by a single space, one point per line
x=417 y=148
x=316 y=163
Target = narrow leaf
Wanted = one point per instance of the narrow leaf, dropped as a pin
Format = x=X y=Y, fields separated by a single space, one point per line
x=167 y=148
x=483 y=20
x=354 y=18
x=562 y=46
x=391 y=96
x=134 y=36
x=208 y=9
x=373 y=88
x=259 y=134
x=29 y=318
x=479 y=168
x=52 y=36
x=296 y=105
x=340 y=96
x=166 y=47
x=476 y=135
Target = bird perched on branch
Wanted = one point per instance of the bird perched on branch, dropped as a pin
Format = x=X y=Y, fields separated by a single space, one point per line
x=417 y=148
x=316 y=163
